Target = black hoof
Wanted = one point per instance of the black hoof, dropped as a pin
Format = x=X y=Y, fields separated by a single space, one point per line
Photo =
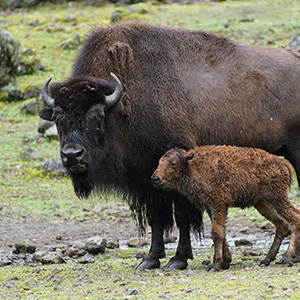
x=148 y=263
x=225 y=266
x=213 y=269
x=176 y=263
x=264 y=262
x=285 y=261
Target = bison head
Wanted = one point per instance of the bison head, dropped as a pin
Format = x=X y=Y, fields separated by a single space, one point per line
x=79 y=108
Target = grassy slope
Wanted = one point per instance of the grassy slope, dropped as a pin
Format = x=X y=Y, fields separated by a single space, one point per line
x=274 y=23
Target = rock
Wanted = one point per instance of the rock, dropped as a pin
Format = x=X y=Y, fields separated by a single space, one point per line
x=52 y=133
x=53 y=167
x=52 y=260
x=32 y=91
x=137 y=242
x=95 y=245
x=13 y=4
x=169 y=239
x=31 y=106
x=87 y=259
x=295 y=41
x=71 y=43
x=113 y=244
x=29 y=63
x=44 y=125
x=243 y=242
x=24 y=248
x=267 y=225
x=130 y=12
x=31 y=154
x=9 y=58
x=244 y=230
x=71 y=252
x=140 y=254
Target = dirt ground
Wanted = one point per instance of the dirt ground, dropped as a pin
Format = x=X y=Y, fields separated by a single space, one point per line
x=61 y=233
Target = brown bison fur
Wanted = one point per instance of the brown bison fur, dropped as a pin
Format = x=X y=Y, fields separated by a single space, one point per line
x=181 y=88
x=215 y=178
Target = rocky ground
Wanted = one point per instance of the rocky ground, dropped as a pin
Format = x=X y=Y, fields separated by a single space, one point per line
x=29 y=240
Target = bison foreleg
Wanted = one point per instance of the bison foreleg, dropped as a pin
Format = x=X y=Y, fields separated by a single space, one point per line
x=184 y=249
x=157 y=249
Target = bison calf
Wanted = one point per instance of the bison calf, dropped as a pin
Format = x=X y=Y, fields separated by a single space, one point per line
x=217 y=177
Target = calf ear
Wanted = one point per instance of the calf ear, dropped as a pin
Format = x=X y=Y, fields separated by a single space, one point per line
x=46 y=114
x=190 y=157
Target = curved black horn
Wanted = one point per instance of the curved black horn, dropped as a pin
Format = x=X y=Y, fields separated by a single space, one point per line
x=115 y=97
x=48 y=100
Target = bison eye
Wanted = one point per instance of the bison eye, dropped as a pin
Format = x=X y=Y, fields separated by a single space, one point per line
x=173 y=165
x=101 y=116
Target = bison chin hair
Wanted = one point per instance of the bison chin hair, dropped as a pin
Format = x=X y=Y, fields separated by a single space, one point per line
x=83 y=184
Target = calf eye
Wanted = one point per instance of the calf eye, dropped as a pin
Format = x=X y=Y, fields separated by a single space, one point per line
x=173 y=165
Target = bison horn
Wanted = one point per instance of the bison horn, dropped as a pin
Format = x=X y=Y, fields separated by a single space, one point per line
x=48 y=100
x=115 y=97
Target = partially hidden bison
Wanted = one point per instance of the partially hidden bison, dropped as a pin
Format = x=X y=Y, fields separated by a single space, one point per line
x=169 y=87
x=215 y=178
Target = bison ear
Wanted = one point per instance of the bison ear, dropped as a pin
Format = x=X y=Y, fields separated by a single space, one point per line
x=46 y=114
x=191 y=157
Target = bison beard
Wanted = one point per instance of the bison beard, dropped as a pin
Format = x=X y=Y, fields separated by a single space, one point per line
x=181 y=88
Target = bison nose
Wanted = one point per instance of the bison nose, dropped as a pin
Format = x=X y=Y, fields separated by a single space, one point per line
x=155 y=180
x=71 y=156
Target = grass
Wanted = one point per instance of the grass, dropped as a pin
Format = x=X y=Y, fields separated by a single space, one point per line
x=25 y=193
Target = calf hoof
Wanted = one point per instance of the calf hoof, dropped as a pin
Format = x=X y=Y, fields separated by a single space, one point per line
x=176 y=263
x=148 y=263
x=213 y=269
x=296 y=259
x=286 y=261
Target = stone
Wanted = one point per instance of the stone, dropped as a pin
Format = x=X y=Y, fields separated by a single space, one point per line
x=113 y=244
x=53 y=167
x=52 y=132
x=95 y=245
x=295 y=41
x=243 y=242
x=24 y=248
x=44 y=125
x=31 y=106
x=267 y=225
x=137 y=242
x=9 y=58
x=31 y=154
x=52 y=260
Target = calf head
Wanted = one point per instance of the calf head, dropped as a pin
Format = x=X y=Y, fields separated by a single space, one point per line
x=171 y=167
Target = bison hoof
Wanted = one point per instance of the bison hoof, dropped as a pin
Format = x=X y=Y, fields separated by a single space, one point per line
x=148 y=263
x=286 y=261
x=225 y=266
x=265 y=262
x=176 y=263
x=213 y=269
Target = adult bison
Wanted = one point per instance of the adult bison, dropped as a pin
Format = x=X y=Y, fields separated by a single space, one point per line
x=173 y=88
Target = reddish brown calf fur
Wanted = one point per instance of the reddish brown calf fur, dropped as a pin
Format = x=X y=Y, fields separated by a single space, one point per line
x=215 y=178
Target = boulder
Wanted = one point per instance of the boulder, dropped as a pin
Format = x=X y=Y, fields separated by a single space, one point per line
x=53 y=167
x=9 y=58
x=295 y=41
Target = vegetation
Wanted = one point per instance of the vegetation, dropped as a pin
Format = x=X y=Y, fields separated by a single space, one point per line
x=26 y=192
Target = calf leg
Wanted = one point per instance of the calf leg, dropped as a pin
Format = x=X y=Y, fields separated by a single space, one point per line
x=218 y=217
x=226 y=252
x=271 y=214
x=292 y=214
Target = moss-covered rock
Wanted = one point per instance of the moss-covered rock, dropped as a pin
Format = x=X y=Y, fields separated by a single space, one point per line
x=137 y=12
x=9 y=58
x=29 y=63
